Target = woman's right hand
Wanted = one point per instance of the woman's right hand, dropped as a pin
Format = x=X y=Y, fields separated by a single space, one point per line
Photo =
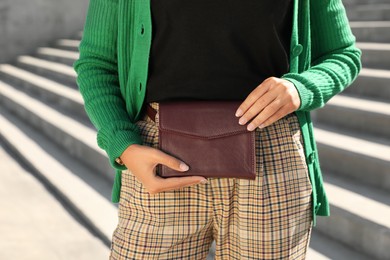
x=142 y=160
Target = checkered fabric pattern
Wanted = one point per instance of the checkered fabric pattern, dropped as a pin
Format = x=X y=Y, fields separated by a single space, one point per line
x=266 y=218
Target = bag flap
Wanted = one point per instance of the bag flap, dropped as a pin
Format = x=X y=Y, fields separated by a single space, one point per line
x=200 y=119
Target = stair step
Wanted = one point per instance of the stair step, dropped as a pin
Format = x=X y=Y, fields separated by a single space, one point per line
x=369 y=12
x=47 y=90
x=75 y=138
x=360 y=216
x=321 y=248
x=346 y=154
x=325 y=248
x=357 y=115
x=371 y=83
x=35 y=221
x=376 y=46
x=371 y=31
x=79 y=35
x=375 y=55
x=79 y=188
x=67 y=44
x=57 y=55
x=52 y=70
x=351 y=3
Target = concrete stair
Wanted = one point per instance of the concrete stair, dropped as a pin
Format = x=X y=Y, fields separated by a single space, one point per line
x=72 y=135
x=369 y=12
x=371 y=84
x=352 y=3
x=360 y=216
x=353 y=139
x=47 y=90
x=68 y=45
x=50 y=69
x=371 y=31
x=364 y=116
x=43 y=120
x=80 y=188
x=375 y=55
x=61 y=56
x=356 y=158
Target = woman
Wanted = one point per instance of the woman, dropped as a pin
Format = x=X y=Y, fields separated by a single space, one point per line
x=281 y=59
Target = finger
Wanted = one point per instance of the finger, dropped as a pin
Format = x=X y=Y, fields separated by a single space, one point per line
x=171 y=161
x=155 y=183
x=173 y=183
x=264 y=115
x=257 y=107
x=254 y=96
x=282 y=112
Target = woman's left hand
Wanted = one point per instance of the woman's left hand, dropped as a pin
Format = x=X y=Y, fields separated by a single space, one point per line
x=273 y=99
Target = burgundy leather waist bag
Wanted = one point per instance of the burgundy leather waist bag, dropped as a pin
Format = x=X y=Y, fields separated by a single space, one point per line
x=207 y=137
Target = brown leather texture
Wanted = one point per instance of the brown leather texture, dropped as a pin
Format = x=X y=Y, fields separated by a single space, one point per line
x=207 y=137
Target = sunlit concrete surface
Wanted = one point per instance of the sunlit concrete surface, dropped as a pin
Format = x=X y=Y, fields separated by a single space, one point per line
x=35 y=225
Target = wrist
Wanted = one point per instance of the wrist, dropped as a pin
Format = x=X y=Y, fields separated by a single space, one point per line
x=119 y=159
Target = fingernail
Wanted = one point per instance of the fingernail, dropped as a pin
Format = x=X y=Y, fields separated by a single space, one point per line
x=261 y=126
x=239 y=112
x=250 y=127
x=204 y=181
x=184 y=166
x=242 y=121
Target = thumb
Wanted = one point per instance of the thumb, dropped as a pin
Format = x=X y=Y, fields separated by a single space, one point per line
x=171 y=162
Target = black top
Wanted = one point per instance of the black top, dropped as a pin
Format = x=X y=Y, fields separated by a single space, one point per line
x=216 y=49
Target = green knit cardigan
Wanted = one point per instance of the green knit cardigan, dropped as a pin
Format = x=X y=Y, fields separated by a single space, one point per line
x=113 y=65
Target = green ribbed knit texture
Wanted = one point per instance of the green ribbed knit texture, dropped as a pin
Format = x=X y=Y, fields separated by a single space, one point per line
x=113 y=63
x=335 y=59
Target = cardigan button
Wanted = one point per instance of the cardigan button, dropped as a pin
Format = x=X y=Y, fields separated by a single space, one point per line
x=311 y=157
x=317 y=207
x=142 y=29
x=297 y=49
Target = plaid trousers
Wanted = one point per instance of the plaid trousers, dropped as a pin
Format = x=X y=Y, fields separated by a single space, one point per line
x=266 y=218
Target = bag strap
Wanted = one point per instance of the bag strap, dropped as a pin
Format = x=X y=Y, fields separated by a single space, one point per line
x=151 y=112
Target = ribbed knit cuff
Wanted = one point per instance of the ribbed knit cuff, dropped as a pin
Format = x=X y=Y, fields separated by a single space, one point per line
x=305 y=94
x=118 y=145
x=115 y=142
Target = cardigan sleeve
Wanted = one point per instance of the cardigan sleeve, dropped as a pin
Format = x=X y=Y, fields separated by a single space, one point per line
x=98 y=81
x=335 y=59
